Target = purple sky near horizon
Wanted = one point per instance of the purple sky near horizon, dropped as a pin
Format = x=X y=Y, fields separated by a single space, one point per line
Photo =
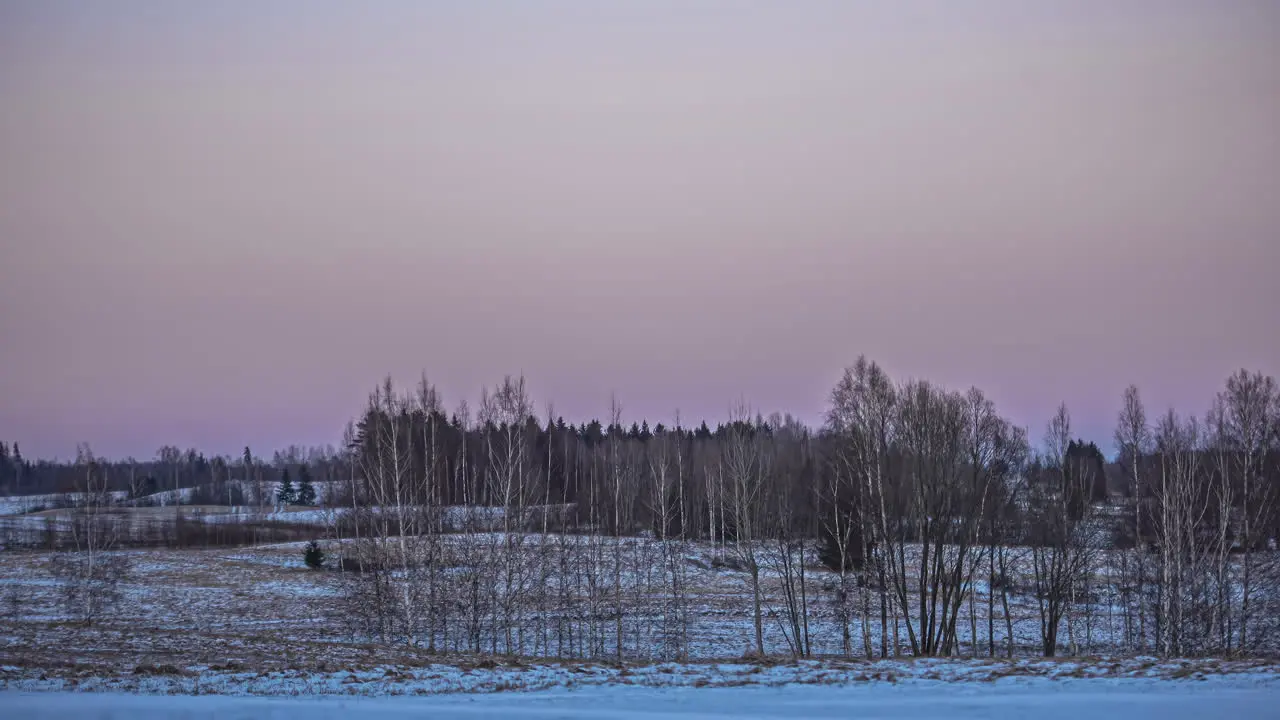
x=222 y=223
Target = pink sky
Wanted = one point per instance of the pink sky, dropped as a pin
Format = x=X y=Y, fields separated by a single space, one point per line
x=222 y=223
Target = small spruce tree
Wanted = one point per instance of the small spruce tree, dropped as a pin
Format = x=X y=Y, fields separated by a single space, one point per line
x=313 y=555
x=285 y=494
x=306 y=494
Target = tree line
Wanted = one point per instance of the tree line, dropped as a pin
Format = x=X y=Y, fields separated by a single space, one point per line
x=247 y=479
x=915 y=520
x=921 y=501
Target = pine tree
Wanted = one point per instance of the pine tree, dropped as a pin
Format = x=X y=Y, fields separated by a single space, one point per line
x=306 y=491
x=19 y=467
x=313 y=556
x=285 y=494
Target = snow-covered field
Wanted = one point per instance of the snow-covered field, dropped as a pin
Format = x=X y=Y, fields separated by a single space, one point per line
x=251 y=632
x=1236 y=697
x=190 y=602
x=20 y=504
x=256 y=627
x=28 y=519
x=267 y=598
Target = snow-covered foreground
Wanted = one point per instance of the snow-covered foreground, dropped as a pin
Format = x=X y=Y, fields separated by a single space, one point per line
x=1025 y=698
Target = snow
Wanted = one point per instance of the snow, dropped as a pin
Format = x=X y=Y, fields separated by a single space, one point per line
x=1015 y=698
x=21 y=504
x=165 y=498
x=310 y=516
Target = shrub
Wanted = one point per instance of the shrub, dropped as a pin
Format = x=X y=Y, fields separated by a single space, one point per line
x=313 y=555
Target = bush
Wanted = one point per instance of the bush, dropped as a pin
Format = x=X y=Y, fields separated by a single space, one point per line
x=90 y=583
x=727 y=562
x=313 y=555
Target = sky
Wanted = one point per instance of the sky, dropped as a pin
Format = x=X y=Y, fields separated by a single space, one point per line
x=221 y=224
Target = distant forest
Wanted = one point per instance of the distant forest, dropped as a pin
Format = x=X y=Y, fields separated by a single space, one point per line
x=554 y=443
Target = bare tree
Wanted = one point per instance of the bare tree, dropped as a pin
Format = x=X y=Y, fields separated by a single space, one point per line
x=666 y=505
x=387 y=587
x=505 y=415
x=1062 y=534
x=1250 y=402
x=1183 y=499
x=91 y=572
x=1223 y=502
x=429 y=409
x=864 y=419
x=744 y=468
x=1133 y=440
x=790 y=522
x=842 y=496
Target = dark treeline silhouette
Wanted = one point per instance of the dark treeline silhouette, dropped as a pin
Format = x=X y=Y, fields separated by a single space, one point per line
x=171 y=469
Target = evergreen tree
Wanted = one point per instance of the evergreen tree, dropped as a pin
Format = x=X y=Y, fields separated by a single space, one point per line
x=829 y=550
x=285 y=494
x=592 y=434
x=306 y=494
x=313 y=555
x=1087 y=467
x=247 y=462
x=19 y=467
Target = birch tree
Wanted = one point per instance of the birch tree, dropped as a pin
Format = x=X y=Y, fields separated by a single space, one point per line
x=1250 y=401
x=1062 y=538
x=1133 y=440
x=743 y=467
x=91 y=571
